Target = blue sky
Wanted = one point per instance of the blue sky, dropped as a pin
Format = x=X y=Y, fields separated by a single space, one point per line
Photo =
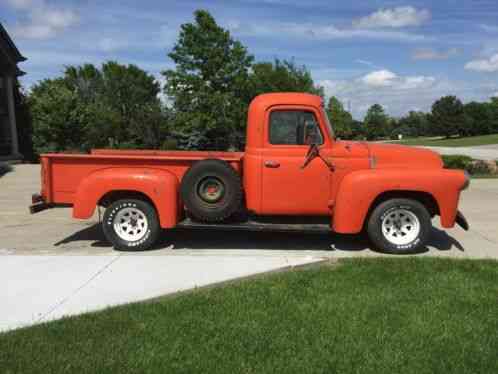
x=401 y=54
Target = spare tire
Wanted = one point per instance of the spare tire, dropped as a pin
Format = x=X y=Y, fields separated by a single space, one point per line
x=211 y=190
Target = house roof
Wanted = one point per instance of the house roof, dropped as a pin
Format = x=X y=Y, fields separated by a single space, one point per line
x=9 y=50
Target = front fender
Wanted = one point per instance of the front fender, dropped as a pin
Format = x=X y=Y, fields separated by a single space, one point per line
x=359 y=189
x=160 y=186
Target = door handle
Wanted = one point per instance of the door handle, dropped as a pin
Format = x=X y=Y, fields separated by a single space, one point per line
x=272 y=164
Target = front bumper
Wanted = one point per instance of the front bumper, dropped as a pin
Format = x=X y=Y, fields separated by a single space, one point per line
x=38 y=204
x=462 y=221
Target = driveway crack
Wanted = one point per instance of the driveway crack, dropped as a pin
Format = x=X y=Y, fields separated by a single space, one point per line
x=484 y=237
x=66 y=299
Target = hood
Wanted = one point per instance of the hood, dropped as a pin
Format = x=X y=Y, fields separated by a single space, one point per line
x=399 y=156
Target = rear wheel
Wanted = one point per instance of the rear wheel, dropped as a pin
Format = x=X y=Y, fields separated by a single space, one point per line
x=399 y=226
x=131 y=225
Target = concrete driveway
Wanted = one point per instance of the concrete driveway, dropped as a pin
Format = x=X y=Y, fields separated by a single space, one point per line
x=52 y=265
x=482 y=152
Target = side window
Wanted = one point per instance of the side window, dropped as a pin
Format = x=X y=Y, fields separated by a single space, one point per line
x=293 y=127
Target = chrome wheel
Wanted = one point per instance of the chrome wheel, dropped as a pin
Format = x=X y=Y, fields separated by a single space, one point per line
x=400 y=226
x=130 y=224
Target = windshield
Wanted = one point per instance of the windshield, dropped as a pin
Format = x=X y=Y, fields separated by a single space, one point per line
x=327 y=122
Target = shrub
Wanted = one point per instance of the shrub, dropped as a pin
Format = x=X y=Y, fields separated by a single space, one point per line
x=479 y=167
x=474 y=167
x=169 y=144
x=456 y=161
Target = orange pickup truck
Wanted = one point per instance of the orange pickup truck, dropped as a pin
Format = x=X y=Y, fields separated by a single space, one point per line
x=293 y=175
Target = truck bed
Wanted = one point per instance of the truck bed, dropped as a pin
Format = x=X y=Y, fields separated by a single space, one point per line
x=62 y=173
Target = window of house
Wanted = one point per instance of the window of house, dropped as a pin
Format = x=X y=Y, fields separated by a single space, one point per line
x=294 y=127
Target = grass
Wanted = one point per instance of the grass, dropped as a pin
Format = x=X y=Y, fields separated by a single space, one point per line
x=452 y=142
x=411 y=315
x=484 y=176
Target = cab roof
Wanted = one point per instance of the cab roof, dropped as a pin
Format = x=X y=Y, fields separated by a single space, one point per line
x=265 y=101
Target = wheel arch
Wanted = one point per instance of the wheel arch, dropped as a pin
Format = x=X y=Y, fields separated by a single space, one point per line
x=110 y=197
x=425 y=198
x=361 y=191
x=158 y=187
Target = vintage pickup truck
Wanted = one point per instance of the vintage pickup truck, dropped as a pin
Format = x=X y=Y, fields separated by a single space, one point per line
x=293 y=175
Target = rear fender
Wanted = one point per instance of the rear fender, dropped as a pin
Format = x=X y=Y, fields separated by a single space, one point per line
x=160 y=186
x=359 y=189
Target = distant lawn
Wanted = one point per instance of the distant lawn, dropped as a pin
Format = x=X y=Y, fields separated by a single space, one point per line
x=453 y=142
x=409 y=315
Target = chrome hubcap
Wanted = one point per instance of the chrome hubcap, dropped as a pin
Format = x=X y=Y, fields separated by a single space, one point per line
x=401 y=227
x=130 y=224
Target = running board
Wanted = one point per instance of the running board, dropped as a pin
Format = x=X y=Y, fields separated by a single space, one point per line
x=252 y=225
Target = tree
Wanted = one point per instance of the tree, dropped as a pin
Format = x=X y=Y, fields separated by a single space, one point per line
x=448 y=116
x=494 y=114
x=281 y=76
x=358 y=130
x=376 y=122
x=115 y=106
x=208 y=88
x=414 y=124
x=479 y=118
x=341 y=119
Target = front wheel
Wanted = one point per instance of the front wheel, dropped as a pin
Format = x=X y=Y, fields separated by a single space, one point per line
x=131 y=225
x=399 y=226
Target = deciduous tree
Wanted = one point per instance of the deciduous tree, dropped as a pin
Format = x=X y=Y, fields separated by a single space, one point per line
x=115 y=106
x=281 y=76
x=448 y=116
x=342 y=120
x=208 y=87
x=376 y=122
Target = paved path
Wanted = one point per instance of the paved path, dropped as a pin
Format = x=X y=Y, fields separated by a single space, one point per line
x=483 y=152
x=52 y=265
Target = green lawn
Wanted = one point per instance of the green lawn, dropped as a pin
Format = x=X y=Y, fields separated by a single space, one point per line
x=453 y=142
x=408 y=315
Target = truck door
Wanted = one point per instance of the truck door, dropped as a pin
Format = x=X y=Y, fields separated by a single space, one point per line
x=287 y=189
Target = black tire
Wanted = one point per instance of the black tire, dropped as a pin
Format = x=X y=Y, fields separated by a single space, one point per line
x=143 y=240
x=392 y=241
x=204 y=205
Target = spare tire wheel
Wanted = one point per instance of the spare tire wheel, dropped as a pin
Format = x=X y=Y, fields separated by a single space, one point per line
x=211 y=190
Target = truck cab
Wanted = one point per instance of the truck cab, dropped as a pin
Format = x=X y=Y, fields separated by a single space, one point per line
x=292 y=167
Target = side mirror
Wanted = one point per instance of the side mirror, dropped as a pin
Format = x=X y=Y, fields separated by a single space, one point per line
x=313 y=152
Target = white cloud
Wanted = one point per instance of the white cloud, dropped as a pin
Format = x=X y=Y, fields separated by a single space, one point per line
x=111 y=45
x=380 y=78
x=397 y=92
x=364 y=62
x=488 y=65
x=433 y=54
x=21 y=4
x=398 y=17
x=43 y=21
x=386 y=78
x=318 y=32
x=495 y=94
x=489 y=28
x=413 y=83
